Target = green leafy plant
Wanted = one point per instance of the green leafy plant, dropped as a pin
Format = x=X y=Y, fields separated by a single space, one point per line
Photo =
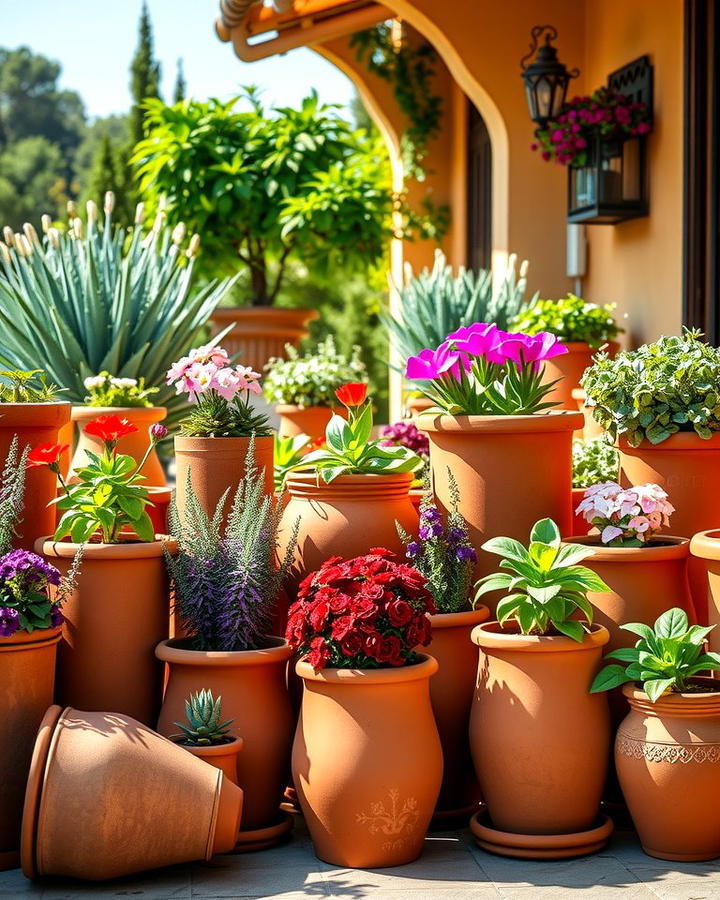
x=594 y=462
x=105 y=390
x=545 y=587
x=94 y=298
x=571 y=319
x=29 y=386
x=203 y=726
x=311 y=379
x=665 y=658
x=657 y=390
x=289 y=451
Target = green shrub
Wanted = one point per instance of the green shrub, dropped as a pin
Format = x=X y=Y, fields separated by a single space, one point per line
x=594 y=462
x=571 y=319
x=311 y=378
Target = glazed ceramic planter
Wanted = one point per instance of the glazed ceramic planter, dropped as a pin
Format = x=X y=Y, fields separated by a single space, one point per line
x=511 y=472
x=451 y=694
x=221 y=756
x=309 y=420
x=252 y=684
x=260 y=333
x=27 y=676
x=344 y=518
x=216 y=465
x=33 y=423
x=688 y=467
x=108 y=797
x=705 y=548
x=667 y=756
x=540 y=742
x=135 y=445
x=113 y=621
x=367 y=762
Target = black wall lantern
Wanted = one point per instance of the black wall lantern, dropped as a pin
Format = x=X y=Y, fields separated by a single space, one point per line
x=546 y=79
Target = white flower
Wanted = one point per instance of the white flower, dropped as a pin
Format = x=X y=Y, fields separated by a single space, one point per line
x=94 y=381
x=123 y=382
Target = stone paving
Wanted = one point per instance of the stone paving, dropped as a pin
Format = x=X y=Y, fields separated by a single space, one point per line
x=451 y=868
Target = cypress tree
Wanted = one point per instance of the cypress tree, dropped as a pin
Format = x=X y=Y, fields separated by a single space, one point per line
x=144 y=76
x=107 y=174
x=180 y=84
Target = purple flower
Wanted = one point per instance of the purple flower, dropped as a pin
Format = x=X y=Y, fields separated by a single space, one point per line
x=30 y=569
x=456 y=535
x=413 y=549
x=9 y=621
x=465 y=554
x=56 y=617
x=430 y=514
x=425 y=533
x=407 y=435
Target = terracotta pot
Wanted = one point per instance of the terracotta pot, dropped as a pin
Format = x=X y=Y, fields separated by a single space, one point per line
x=134 y=445
x=451 y=693
x=417 y=495
x=667 y=756
x=27 y=676
x=119 y=612
x=591 y=429
x=221 y=756
x=66 y=436
x=253 y=688
x=309 y=420
x=261 y=332
x=511 y=471
x=688 y=467
x=539 y=739
x=134 y=800
x=367 y=762
x=345 y=518
x=417 y=405
x=705 y=547
x=579 y=525
x=216 y=464
x=570 y=368
x=33 y=423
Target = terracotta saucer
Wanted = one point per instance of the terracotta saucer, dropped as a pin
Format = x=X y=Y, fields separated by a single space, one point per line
x=540 y=846
x=264 y=838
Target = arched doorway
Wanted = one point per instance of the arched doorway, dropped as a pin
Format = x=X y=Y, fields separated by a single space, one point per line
x=479 y=192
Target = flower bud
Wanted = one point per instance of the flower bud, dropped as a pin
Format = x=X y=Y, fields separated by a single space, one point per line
x=4 y=252
x=54 y=238
x=30 y=233
x=77 y=227
x=178 y=234
x=92 y=211
x=523 y=268
x=157 y=432
x=46 y=223
x=109 y=202
x=8 y=235
x=72 y=209
x=193 y=247
x=139 y=213
x=17 y=241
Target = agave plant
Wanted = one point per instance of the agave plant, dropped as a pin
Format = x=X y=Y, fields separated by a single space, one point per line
x=438 y=301
x=95 y=298
x=203 y=727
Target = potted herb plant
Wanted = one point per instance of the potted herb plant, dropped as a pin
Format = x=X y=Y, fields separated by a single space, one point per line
x=494 y=429
x=226 y=586
x=106 y=508
x=215 y=436
x=539 y=739
x=30 y=409
x=666 y=749
x=367 y=761
x=207 y=736
x=441 y=552
x=593 y=462
x=659 y=403
x=348 y=494
x=303 y=386
x=583 y=328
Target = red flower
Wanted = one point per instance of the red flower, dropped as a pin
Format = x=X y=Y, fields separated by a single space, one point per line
x=399 y=612
x=45 y=455
x=110 y=429
x=319 y=653
x=353 y=394
x=351 y=644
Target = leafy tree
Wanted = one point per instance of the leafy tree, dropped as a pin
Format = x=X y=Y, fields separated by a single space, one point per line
x=180 y=89
x=31 y=181
x=144 y=76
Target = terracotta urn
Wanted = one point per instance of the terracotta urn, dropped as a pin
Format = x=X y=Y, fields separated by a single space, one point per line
x=135 y=445
x=113 y=621
x=108 y=797
x=253 y=687
x=309 y=420
x=667 y=756
x=540 y=743
x=34 y=423
x=27 y=676
x=705 y=549
x=259 y=333
x=367 y=762
x=221 y=756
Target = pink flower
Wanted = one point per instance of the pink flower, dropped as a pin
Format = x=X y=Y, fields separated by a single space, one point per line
x=476 y=339
x=610 y=532
x=177 y=370
x=434 y=363
x=207 y=354
x=625 y=513
x=227 y=383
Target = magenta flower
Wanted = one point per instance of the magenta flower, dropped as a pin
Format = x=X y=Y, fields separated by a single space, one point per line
x=477 y=339
x=434 y=363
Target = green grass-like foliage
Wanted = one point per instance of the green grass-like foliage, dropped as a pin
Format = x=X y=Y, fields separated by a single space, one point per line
x=31 y=386
x=571 y=318
x=594 y=462
x=657 y=390
x=97 y=298
x=544 y=584
x=665 y=658
x=289 y=451
x=203 y=726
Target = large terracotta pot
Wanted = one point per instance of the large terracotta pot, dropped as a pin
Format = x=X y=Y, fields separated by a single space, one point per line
x=667 y=756
x=417 y=405
x=591 y=428
x=367 y=762
x=108 y=797
x=688 y=467
x=113 y=621
x=221 y=756
x=27 y=676
x=511 y=471
x=569 y=368
x=135 y=445
x=451 y=693
x=539 y=740
x=216 y=464
x=261 y=332
x=34 y=423
x=705 y=547
x=344 y=518
x=309 y=420
x=252 y=684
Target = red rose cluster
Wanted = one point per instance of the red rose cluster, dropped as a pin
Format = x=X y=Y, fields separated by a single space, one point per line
x=363 y=613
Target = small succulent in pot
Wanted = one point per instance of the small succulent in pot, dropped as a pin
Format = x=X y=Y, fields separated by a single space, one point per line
x=571 y=319
x=594 y=461
x=626 y=517
x=26 y=386
x=203 y=726
x=105 y=389
x=665 y=657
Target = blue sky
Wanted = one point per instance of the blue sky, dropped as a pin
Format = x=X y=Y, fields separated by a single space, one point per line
x=94 y=41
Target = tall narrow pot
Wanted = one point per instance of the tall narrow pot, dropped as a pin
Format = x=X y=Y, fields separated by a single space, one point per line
x=367 y=762
x=259 y=333
x=27 y=677
x=113 y=621
x=705 y=548
x=309 y=420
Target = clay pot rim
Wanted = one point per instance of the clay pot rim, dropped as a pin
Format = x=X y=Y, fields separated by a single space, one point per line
x=169 y=651
x=151 y=413
x=491 y=635
x=460 y=619
x=212 y=750
x=426 y=667
x=706 y=544
x=285 y=408
x=553 y=420
x=264 y=312
x=306 y=484
x=125 y=549
x=674 y=703
x=24 y=640
x=209 y=444
x=667 y=546
x=38 y=415
x=681 y=440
